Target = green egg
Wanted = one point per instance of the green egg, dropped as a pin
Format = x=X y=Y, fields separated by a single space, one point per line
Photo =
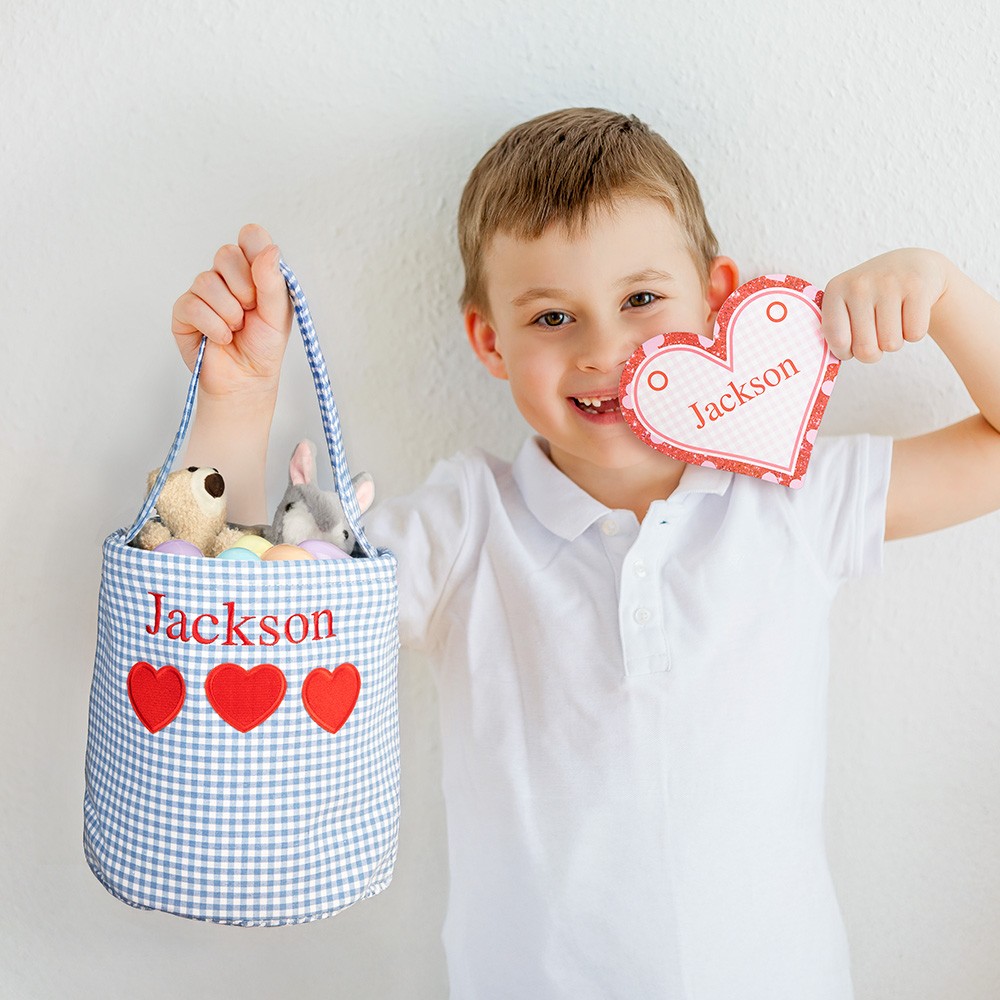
x=238 y=553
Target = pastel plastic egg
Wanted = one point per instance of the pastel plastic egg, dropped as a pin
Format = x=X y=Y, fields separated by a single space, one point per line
x=238 y=553
x=281 y=552
x=178 y=547
x=252 y=543
x=322 y=549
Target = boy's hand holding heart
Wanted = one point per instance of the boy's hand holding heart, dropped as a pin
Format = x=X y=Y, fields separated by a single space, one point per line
x=877 y=306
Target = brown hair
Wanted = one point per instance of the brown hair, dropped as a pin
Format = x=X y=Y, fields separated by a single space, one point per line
x=559 y=167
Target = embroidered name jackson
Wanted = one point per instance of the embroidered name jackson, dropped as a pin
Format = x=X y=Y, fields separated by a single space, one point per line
x=739 y=396
x=242 y=630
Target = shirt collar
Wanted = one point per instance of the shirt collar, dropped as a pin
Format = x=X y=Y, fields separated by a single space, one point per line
x=566 y=510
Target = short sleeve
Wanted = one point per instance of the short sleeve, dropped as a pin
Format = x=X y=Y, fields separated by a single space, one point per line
x=425 y=530
x=842 y=502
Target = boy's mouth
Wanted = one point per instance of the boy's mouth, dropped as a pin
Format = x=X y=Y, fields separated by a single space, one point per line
x=596 y=404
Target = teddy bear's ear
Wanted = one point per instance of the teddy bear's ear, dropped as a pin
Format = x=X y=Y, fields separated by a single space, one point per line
x=151 y=478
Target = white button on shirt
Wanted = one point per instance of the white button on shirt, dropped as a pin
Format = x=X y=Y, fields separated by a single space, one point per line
x=633 y=722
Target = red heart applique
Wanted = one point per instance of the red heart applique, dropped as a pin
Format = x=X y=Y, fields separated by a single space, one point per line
x=156 y=695
x=245 y=698
x=751 y=400
x=330 y=695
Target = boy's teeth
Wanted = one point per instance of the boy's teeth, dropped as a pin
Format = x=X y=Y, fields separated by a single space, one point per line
x=597 y=404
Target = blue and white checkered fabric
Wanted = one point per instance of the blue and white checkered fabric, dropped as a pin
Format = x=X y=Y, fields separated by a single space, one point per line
x=286 y=822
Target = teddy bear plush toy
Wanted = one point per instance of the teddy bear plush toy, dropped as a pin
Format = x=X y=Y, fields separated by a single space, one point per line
x=192 y=506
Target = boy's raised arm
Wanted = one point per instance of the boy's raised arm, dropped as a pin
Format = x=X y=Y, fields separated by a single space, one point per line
x=241 y=305
x=950 y=475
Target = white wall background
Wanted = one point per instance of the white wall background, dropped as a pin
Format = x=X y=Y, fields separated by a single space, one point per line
x=135 y=139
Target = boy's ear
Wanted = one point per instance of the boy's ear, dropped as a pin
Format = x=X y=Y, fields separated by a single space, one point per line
x=723 y=280
x=483 y=340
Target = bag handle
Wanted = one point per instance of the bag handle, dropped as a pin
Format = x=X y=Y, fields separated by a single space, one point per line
x=327 y=408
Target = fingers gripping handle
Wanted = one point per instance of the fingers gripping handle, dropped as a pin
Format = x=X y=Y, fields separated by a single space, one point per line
x=328 y=412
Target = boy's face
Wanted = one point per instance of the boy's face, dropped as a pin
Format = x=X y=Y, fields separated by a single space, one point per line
x=566 y=313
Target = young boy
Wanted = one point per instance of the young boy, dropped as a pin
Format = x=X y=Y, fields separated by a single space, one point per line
x=631 y=653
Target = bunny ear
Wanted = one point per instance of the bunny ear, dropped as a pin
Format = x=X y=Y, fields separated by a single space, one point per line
x=302 y=467
x=364 y=490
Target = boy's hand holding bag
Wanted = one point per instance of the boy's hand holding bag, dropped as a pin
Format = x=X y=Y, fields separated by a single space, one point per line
x=243 y=750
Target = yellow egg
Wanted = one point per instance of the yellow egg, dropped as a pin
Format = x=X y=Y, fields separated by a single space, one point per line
x=253 y=543
x=277 y=552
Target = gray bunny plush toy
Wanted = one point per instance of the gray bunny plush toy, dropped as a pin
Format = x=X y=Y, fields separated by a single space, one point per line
x=306 y=511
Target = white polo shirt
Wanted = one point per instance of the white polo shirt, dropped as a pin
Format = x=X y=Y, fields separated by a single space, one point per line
x=634 y=722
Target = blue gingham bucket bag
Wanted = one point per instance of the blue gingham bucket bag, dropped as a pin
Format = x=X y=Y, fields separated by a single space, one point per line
x=243 y=748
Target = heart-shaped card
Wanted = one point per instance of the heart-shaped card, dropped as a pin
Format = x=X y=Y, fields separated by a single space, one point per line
x=751 y=399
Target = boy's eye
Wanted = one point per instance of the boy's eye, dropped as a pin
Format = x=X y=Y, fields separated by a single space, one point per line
x=552 y=319
x=641 y=299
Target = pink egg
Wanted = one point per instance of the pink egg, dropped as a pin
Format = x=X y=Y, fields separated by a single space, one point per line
x=322 y=549
x=178 y=547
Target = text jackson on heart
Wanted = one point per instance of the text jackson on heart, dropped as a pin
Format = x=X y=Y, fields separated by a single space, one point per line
x=740 y=396
x=239 y=630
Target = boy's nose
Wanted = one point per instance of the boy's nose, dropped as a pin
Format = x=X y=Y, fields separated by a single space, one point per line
x=604 y=350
